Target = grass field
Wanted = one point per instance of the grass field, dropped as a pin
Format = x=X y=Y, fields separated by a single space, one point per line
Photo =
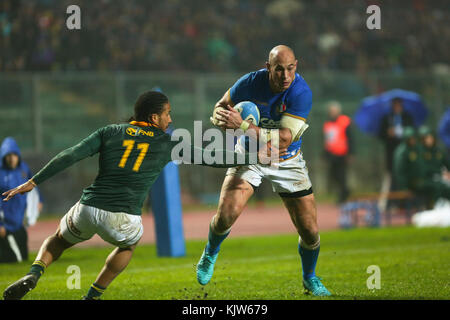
x=414 y=264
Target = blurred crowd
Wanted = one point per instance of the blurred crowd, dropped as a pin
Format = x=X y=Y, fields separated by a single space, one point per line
x=217 y=36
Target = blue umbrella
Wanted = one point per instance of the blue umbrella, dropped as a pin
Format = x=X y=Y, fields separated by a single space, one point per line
x=373 y=108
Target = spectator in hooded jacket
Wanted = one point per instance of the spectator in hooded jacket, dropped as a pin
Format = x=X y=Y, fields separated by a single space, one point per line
x=13 y=235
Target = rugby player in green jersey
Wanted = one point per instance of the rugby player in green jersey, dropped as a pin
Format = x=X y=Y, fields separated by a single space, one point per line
x=132 y=155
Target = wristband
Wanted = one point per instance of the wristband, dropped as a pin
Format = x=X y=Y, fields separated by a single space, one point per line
x=244 y=125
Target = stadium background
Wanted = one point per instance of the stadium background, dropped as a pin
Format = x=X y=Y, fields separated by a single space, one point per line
x=58 y=85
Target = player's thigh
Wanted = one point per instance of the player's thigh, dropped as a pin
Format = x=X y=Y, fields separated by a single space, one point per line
x=291 y=181
x=303 y=213
x=77 y=225
x=119 y=228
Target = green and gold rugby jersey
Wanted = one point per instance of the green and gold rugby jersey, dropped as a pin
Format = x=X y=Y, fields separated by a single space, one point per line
x=132 y=156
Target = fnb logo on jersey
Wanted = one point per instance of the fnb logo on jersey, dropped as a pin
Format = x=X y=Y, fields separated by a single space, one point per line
x=134 y=132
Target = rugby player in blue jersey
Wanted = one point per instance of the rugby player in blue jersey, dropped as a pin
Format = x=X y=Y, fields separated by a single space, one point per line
x=284 y=101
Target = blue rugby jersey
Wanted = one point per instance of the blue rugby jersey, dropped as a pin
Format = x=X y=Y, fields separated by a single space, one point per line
x=296 y=101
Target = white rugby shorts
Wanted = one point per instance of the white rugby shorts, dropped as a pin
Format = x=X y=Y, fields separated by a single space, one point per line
x=117 y=228
x=289 y=176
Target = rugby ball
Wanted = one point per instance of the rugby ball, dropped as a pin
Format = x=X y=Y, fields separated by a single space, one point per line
x=249 y=111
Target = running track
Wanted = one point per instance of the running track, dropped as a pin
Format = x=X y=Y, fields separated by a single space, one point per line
x=253 y=221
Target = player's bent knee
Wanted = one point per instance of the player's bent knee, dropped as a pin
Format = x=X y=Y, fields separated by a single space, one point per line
x=309 y=232
x=312 y=229
x=61 y=240
x=312 y=237
x=230 y=210
x=128 y=248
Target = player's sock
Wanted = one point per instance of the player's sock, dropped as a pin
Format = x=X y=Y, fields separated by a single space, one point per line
x=309 y=255
x=95 y=291
x=37 y=268
x=215 y=239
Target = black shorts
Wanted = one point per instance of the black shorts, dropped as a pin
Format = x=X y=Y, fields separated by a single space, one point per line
x=297 y=194
x=14 y=247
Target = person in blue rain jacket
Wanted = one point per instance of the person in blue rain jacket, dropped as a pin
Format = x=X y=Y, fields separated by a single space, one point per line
x=13 y=234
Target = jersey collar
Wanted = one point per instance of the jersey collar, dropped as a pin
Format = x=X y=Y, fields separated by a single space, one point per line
x=143 y=124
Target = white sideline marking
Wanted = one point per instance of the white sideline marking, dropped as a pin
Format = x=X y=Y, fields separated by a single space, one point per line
x=14 y=247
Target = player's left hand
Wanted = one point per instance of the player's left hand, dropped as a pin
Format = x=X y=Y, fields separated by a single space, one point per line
x=231 y=117
x=23 y=188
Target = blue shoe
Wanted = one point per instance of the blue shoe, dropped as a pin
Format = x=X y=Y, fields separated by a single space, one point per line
x=205 y=267
x=315 y=287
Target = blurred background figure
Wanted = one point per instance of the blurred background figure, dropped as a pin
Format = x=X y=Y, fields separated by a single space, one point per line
x=408 y=169
x=391 y=131
x=13 y=235
x=436 y=164
x=386 y=115
x=435 y=158
x=418 y=167
x=338 y=148
x=444 y=130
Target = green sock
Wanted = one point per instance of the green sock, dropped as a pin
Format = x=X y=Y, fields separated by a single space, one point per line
x=37 y=268
x=95 y=291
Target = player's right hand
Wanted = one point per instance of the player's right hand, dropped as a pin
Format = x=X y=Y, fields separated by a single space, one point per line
x=23 y=188
x=215 y=117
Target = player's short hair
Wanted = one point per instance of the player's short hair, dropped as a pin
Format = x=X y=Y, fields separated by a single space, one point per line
x=148 y=103
x=334 y=103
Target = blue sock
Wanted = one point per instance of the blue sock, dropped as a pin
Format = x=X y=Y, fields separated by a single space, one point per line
x=214 y=241
x=309 y=260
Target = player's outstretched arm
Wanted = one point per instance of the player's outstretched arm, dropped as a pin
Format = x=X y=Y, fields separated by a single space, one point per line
x=222 y=158
x=23 y=188
x=61 y=161
x=87 y=147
